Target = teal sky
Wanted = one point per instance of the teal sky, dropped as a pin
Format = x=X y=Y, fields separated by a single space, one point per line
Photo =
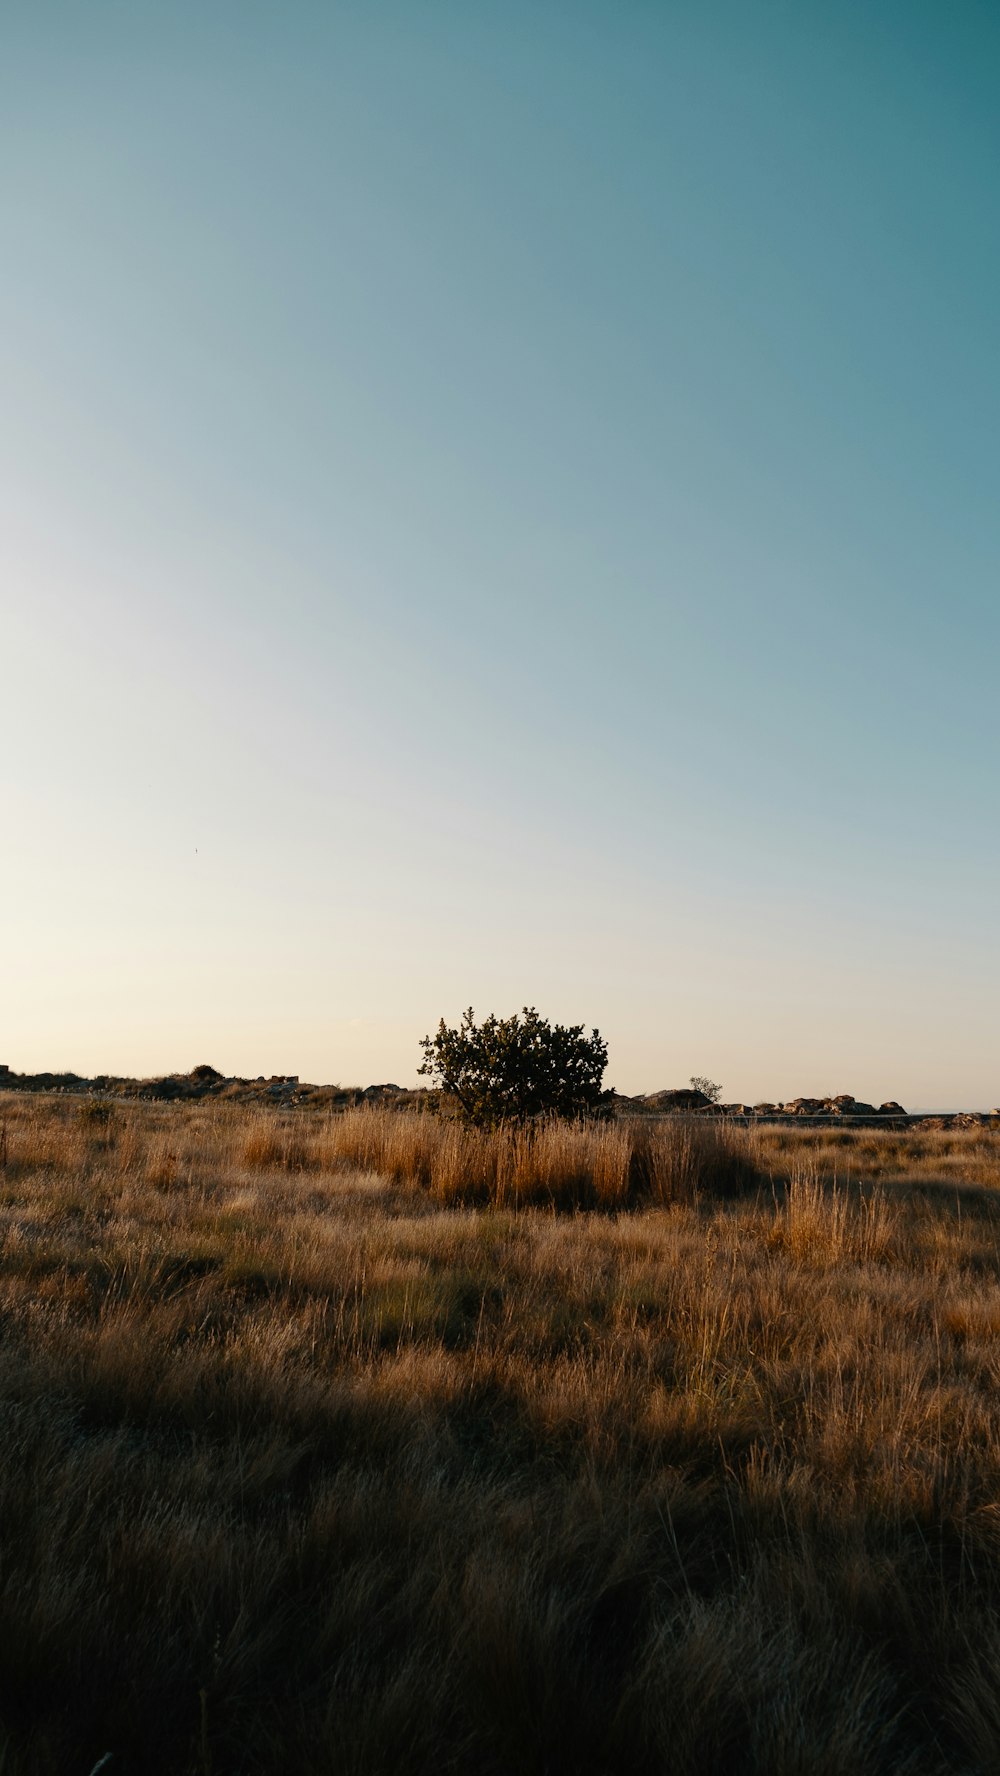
x=498 y=505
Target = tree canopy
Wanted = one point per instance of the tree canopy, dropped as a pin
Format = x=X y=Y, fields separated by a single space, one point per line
x=711 y=1091
x=513 y=1069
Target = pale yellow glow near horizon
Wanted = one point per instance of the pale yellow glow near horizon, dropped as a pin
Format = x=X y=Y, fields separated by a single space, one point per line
x=168 y=899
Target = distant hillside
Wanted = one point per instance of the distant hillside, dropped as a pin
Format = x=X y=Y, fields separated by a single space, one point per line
x=289 y=1091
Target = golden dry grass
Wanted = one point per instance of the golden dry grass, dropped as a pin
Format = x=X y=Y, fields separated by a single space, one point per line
x=333 y=1445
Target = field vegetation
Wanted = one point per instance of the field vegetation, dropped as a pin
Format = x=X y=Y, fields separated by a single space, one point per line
x=366 y=1443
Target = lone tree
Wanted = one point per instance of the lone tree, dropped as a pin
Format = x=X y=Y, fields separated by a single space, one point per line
x=511 y=1069
x=712 y=1091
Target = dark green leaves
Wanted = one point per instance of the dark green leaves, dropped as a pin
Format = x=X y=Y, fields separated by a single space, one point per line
x=513 y=1069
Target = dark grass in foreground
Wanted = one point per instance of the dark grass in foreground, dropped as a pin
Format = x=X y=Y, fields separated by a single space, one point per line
x=304 y=1469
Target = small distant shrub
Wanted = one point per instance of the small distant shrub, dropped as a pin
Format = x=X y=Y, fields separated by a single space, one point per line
x=707 y=1087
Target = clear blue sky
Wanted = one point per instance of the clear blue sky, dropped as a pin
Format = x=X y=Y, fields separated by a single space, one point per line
x=499 y=505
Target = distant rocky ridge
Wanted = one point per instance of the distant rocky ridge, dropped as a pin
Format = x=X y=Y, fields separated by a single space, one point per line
x=205 y=1082
x=823 y=1110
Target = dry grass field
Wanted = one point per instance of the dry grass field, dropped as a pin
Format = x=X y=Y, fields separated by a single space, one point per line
x=354 y=1444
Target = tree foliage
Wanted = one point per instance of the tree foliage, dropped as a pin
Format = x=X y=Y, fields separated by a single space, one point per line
x=712 y=1091
x=512 y=1069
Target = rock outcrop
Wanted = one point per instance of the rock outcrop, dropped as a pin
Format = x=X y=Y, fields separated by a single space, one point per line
x=286 y=1091
x=683 y=1098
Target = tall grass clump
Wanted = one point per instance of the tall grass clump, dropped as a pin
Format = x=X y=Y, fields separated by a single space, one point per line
x=682 y=1160
x=561 y=1164
x=832 y=1224
x=268 y=1143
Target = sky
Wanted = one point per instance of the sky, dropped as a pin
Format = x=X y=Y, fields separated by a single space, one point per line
x=498 y=507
